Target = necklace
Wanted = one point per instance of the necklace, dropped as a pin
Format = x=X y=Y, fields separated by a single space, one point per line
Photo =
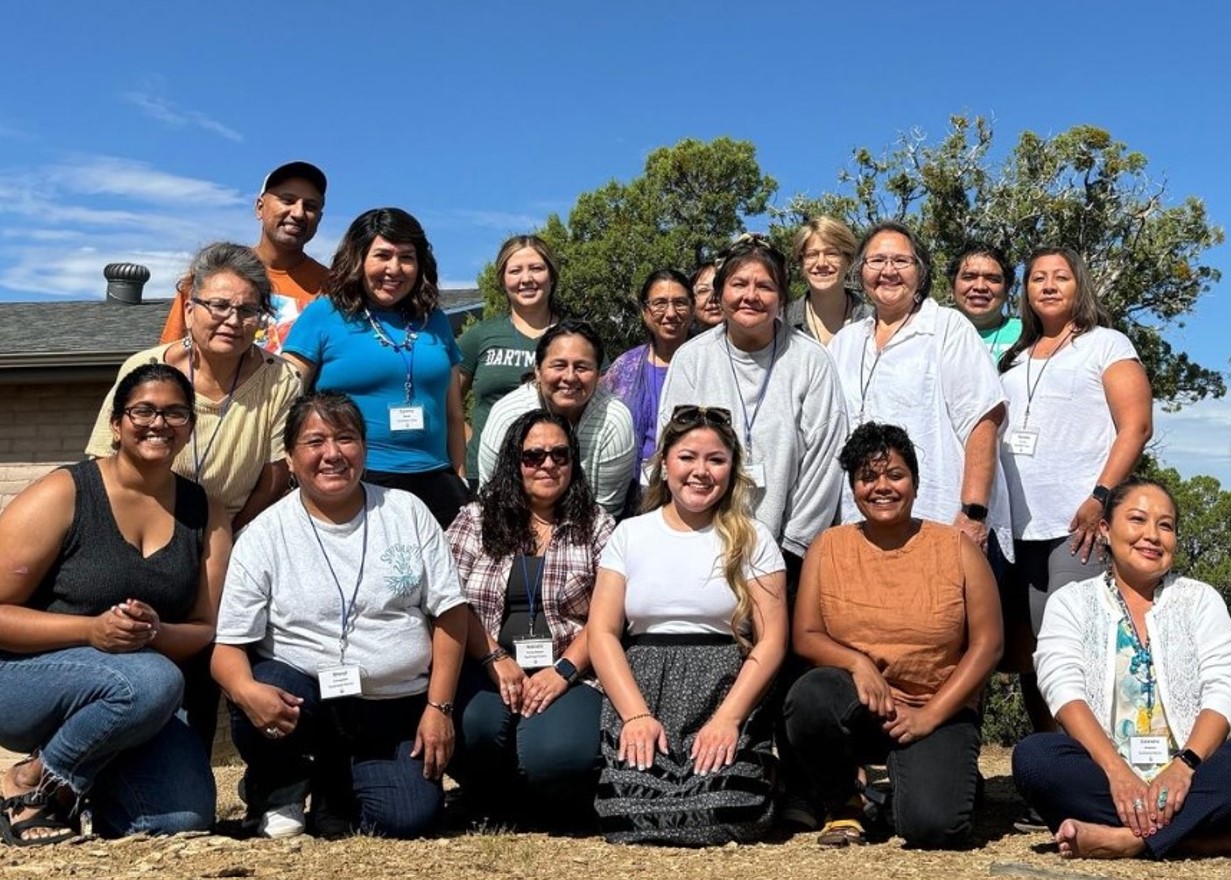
x=408 y=340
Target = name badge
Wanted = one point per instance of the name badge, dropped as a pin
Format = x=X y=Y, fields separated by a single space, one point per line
x=1023 y=441
x=339 y=681
x=756 y=472
x=1148 y=750
x=406 y=417
x=533 y=653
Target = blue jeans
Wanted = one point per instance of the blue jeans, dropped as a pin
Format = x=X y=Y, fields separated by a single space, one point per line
x=105 y=725
x=552 y=758
x=347 y=748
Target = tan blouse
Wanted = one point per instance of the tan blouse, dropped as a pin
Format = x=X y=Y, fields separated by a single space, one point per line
x=905 y=609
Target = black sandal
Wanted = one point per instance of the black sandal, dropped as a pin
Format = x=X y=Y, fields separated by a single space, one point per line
x=46 y=817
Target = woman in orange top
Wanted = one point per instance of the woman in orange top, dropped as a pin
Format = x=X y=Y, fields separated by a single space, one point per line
x=901 y=619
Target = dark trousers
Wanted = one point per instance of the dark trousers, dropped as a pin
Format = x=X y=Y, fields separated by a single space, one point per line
x=542 y=765
x=934 y=779
x=443 y=491
x=1057 y=776
x=365 y=743
x=201 y=698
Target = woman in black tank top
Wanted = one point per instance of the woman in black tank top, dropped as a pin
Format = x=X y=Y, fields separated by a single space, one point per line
x=109 y=576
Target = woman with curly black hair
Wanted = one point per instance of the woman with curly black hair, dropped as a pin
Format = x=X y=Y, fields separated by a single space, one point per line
x=527 y=553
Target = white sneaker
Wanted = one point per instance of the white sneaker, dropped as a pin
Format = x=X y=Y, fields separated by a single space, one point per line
x=282 y=821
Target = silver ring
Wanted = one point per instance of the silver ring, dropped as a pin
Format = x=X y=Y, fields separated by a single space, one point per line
x=271 y=731
x=1139 y=804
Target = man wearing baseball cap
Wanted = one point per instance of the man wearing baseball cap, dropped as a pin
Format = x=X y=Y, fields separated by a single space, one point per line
x=289 y=207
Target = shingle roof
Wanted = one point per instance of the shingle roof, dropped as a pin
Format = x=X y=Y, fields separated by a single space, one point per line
x=105 y=332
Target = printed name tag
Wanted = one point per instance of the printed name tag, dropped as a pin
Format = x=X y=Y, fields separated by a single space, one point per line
x=339 y=681
x=1148 y=750
x=756 y=472
x=406 y=418
x=532 y=653
x=1023 y=441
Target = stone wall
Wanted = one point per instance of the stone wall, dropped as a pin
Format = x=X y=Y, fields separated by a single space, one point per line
x=41 y=426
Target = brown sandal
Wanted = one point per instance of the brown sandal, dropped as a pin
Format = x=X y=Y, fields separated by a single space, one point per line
x=842 y=832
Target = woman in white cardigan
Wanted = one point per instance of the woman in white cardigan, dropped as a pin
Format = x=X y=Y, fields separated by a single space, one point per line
x=1136 y=667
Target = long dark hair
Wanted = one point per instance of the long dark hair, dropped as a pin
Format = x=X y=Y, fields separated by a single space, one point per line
x=346 y=282
x=1088 y=312
x=505 y=509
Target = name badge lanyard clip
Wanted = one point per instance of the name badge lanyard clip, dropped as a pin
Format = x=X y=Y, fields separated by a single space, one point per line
x=349 y=614
x=1032 y=388
x=756 y=410
x=198 y=461
x=405 y=348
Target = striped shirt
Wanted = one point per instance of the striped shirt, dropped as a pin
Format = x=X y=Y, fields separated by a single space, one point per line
x=605 y=434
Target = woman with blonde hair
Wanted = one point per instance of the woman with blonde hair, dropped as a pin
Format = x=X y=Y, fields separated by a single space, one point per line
x=698 y=586
x=824 y=249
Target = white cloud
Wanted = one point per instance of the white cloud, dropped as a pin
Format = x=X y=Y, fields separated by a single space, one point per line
x=507 y=222
x=124 y=178
x=165 y=111
x=1196 y=440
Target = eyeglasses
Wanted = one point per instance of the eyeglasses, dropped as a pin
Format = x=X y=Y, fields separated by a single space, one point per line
x=879 y=262
x=535 y=457
x=143 y=415
x=220 y=310
x=687 y=414
x=659 y=307
x=813 y=257
x=343 y=441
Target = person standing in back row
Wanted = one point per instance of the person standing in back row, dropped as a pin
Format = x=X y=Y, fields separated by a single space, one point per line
x=289 y=207
x=981 y=277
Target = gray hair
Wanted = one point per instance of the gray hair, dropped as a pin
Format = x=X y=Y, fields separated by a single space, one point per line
x=238 y=259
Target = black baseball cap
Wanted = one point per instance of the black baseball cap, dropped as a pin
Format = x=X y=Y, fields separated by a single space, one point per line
x=303 y=170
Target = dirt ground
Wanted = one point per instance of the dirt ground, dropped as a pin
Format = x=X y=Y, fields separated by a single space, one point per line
x=464 y=852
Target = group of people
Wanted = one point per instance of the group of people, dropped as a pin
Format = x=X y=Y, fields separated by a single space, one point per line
x=690 y=590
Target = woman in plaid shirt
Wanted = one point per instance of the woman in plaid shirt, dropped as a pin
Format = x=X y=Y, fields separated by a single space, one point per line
x=527 y=553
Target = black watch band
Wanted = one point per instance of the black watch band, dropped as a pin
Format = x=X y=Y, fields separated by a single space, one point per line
x=1100 y=494
x=566 y=669
x=1189 y=757
x=976 y=512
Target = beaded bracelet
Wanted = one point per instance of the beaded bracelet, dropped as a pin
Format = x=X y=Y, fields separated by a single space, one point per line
x=497 y=654
x=638 y=717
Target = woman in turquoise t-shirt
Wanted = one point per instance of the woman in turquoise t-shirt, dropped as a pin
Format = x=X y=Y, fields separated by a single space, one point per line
x=379 y=336
x=498 y=352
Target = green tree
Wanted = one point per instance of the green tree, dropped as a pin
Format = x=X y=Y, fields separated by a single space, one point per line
x=1079 y=188
x=1203 y=546
x=691 y=200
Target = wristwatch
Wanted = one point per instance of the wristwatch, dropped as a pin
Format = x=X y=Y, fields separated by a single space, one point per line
x=1189 y=757
x=976 y=512
x=1100 y=494
x=445 y=708
x=566 y=669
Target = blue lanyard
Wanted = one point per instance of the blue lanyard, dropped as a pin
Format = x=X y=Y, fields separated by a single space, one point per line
x=533 y=588
x=405 y=348
x=198 y=461
x=756 y=410
x=349 y=614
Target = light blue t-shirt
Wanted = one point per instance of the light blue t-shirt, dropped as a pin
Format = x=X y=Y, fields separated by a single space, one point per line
x=350 y=358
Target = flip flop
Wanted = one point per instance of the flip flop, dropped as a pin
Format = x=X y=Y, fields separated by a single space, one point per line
x=842 y=832
x=44 y=818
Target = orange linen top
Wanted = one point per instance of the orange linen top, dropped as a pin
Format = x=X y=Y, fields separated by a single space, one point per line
x=904 y=609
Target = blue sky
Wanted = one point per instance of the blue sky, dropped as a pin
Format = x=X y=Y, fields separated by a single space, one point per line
x=139 y=131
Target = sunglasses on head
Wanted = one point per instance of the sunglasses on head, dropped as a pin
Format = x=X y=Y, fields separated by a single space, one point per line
x=689 y=414
x=535 y=458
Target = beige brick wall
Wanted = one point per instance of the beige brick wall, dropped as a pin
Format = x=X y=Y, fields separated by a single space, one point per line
x=41 y=426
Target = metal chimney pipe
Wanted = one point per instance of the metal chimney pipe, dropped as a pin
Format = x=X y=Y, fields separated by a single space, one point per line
x=125 y=282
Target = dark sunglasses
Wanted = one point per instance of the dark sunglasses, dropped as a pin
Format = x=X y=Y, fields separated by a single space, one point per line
x=689 y=414
x=535 y=458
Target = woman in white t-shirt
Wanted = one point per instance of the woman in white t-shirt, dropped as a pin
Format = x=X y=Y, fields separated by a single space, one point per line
x=687 y=628
x=1079 y=416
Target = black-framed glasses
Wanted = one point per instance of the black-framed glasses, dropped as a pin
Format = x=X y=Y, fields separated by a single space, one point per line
x=220 y=310
x=535 y=457
x=143 y=415
x=880 y=262
x=690 y=414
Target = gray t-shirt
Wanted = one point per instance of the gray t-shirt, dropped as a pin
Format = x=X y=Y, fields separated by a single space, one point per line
x=281 y=597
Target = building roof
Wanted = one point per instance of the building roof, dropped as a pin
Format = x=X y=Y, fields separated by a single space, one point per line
x=59 y=341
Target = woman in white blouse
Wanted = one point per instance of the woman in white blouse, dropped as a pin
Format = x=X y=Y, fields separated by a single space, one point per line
x=1136 y=666
x=922 y=366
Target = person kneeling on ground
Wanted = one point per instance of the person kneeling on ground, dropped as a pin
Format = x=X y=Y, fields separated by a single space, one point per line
x=901 y=619
x=339 y=641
